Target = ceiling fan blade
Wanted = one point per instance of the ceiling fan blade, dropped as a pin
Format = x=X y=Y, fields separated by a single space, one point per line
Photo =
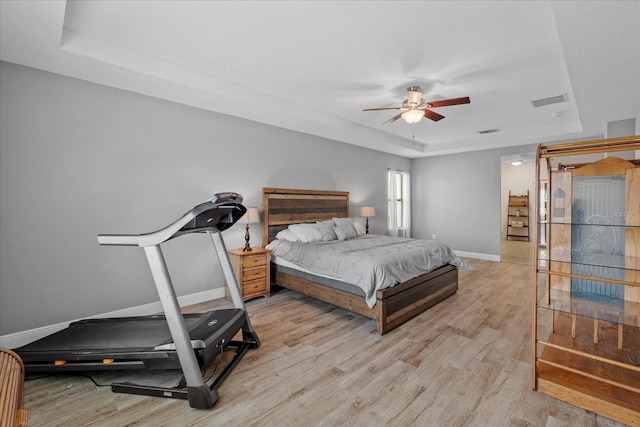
x=433 y=115
x=382 y=108
x=393 y=119
x=445 y=102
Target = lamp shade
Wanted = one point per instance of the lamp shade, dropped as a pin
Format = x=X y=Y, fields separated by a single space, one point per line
x=368 y=211
x=413 y=116
x=251 y=216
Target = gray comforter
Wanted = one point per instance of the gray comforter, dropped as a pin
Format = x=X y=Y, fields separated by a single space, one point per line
x=369 y=262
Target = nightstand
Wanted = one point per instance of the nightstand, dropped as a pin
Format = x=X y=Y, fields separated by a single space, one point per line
x=251 y=269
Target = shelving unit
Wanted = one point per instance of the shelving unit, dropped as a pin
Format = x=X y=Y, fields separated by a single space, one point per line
x=518 y=217
x=586 y=290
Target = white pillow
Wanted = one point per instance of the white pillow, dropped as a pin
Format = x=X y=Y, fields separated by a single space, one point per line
x=306 y=232
x=326 y=229
x=287 y=235
x=345 y=221
x=345 y=232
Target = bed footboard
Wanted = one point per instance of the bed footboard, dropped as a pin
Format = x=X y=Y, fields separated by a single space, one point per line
x=397 y=305
x=394 y=306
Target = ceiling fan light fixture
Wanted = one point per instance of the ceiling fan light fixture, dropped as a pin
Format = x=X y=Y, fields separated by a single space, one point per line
x=415 y=108
x=413 y=116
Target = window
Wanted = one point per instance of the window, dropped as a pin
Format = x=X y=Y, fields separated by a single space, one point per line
x=398 y=199
x=399 y=195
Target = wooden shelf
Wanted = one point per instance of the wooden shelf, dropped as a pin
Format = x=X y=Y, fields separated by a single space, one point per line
x=567 y=375
x=518 y=216
x=586 y=290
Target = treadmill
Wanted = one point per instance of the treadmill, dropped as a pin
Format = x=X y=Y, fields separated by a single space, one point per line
x=171 y=341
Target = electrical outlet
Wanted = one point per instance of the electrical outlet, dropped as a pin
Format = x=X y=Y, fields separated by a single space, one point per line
x=433 y=236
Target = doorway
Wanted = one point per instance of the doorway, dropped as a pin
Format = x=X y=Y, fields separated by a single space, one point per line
x=518 y=176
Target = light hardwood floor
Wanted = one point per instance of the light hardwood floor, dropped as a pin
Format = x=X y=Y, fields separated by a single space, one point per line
x=518 y=252
x=464 y=362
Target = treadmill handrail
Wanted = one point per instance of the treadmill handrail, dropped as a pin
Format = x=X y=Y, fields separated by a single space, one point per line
x=172 y=230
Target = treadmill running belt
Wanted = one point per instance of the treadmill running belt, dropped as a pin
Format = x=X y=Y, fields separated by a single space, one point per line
x=113 y=334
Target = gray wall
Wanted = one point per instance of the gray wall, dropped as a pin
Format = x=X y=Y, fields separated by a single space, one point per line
x=78 y=159
x=457 y=198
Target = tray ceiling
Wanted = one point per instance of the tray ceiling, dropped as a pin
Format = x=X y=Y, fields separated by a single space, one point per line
x=313 y=67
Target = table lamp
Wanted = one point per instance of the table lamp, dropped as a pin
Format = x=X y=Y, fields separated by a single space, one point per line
x=367 y=212
x=251 y=216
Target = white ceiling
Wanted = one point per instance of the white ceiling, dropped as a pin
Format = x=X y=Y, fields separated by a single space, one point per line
x=313 y=66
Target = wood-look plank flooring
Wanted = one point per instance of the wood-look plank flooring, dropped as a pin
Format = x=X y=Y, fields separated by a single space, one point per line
x=464 y=362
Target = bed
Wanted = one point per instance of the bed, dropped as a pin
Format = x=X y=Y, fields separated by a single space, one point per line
x=393 y=306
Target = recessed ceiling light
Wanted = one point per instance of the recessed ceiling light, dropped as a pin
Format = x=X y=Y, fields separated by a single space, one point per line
x=516 y=162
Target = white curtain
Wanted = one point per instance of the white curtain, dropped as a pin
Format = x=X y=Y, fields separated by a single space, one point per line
x=392 y=221
x=398 y=226
x=406 y=208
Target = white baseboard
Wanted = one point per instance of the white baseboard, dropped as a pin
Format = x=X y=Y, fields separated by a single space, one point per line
x=487 y=257
x=18 y=339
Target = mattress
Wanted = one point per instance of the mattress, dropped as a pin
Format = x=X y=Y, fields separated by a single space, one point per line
x=369 y=262
x=323 y=280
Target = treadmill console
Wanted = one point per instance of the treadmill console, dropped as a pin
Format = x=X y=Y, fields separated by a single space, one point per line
x=220 y=212
x=225 y=197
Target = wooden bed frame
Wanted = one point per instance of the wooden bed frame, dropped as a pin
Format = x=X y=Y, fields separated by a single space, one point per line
x=394 y=306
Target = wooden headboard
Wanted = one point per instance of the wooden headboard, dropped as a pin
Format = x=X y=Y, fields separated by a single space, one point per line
x=282 y=207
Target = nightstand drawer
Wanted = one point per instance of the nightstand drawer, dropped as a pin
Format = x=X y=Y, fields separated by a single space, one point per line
x=254 y=273
x=254 y=260
x=254 y=287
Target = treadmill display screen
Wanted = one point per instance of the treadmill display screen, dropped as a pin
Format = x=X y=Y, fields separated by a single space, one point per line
x=219 y=217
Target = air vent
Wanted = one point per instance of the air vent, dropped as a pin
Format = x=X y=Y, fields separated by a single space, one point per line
x=551 y=100
x=482 y=132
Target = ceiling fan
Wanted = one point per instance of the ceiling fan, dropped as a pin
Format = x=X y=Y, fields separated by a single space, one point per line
x=415 y=108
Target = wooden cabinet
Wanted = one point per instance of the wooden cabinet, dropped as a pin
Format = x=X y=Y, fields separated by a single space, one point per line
x=12 y=386
x=251 y=269
x=586 y=292
x=518 y=216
